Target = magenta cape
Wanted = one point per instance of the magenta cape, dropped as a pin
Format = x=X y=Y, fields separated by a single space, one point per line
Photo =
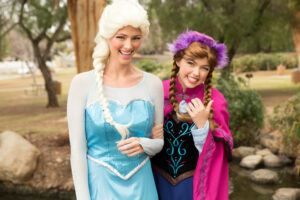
x=210 y=180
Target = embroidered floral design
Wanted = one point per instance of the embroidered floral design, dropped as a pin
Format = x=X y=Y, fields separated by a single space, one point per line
x=175 y=150
x=226 y=136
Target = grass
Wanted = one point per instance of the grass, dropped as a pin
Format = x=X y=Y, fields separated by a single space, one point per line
x=28 y=114
x=272 y=82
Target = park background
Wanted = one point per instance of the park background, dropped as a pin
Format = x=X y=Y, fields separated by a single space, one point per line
x=43 y=44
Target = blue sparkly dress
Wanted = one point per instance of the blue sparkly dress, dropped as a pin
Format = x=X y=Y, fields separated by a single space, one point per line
x=112 y=175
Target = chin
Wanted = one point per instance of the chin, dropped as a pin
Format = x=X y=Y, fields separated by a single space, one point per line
x=125 y=61
x=189 y=85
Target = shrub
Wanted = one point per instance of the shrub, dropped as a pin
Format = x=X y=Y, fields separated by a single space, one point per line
x=148 y=65
x=163 y=71
x=263 y=61
x=245 y=110
x=287 y=119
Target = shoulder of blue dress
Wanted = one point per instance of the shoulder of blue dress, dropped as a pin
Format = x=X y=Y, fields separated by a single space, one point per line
x=148 y=81
x=152 y=77
x=83 y=76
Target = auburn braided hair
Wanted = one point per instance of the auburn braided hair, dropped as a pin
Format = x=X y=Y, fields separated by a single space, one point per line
x=194 y=51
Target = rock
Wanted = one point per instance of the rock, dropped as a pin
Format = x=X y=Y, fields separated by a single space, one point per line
x=251 y=161
x=297 y=166
x=261 y=189
x=18 y=158
x=276 y=135
x=266 y=129
x=287 y=194
x=264 y=176
x=68 y=185
x=272 y=161
x=285 y=160
x=263 y=152
x=243 y=151
x=270 y=143
x=288 y=150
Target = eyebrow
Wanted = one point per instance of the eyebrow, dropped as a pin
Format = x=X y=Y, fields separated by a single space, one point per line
x=205 y=65
x=123 y=34
x=190 y=59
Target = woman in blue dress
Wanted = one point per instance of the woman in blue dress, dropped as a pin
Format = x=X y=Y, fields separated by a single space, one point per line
x=111 y=111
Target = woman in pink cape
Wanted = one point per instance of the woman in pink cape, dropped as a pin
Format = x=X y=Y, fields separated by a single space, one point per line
x=193 y=163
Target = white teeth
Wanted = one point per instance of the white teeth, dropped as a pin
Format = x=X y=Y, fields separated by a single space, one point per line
x=126 y=53
x=193 y=79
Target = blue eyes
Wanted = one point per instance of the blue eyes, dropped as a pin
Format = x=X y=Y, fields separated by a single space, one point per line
x=191 y=63
x=123 y=38
x=120 y=37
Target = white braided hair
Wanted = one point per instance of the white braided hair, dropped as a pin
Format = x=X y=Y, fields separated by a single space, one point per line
x=119 y=14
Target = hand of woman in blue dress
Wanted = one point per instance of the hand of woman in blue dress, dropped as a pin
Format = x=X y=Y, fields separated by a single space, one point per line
x=130 y=146
x=157 y=131
x=198 y=112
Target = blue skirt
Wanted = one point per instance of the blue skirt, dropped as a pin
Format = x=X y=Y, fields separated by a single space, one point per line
x=166 y=191
x=105 y=185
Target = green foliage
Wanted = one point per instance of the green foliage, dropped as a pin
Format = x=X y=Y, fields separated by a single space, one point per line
x=287 y=119
x=41 y=16
x=244 y=26
x=148 y=65
x=163 y=71
x=245 y=110
x=263 y=61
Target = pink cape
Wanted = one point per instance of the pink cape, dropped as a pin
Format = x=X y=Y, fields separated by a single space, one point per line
x=210 y=180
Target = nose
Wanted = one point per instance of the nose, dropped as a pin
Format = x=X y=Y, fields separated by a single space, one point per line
x=128 y=44
x=196 y=71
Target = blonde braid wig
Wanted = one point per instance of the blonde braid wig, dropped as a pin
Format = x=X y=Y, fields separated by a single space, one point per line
x=119 y=14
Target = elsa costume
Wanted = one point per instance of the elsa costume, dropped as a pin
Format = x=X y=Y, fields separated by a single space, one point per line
x=100 y=171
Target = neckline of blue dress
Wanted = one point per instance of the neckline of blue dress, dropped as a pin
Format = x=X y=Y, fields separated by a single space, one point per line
x=126 y=88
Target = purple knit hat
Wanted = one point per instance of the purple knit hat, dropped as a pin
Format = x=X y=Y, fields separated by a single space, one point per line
x=186 y=38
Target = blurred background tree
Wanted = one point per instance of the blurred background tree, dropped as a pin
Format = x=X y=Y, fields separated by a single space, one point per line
x=293 y=16
x=84 y=16
x=43 y=24
x=229 y=21
x=7 y=9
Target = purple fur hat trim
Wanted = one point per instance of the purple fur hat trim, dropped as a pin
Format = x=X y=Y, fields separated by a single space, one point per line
x=185 y=39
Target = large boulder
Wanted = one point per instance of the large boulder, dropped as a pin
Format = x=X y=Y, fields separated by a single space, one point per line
x=251 y=161
x=287 y=194
x=264 y=176
x=18 y=157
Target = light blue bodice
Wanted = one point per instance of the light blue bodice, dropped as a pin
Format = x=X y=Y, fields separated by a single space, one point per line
x=102 y=137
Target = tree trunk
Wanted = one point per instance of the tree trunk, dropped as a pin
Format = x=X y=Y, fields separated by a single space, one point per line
x=296 y=33
x=84 y=16
x=52 y=99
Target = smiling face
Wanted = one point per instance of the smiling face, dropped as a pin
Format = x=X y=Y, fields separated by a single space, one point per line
x=192 y=72
x=124 y=44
